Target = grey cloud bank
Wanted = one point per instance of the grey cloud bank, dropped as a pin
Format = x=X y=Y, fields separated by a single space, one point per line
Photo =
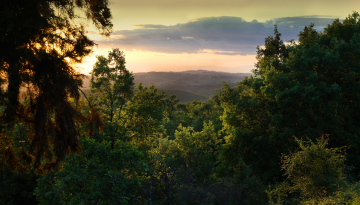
x=224 y=35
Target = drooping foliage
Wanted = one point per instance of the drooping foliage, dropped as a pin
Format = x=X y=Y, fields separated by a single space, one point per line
x=41 y=40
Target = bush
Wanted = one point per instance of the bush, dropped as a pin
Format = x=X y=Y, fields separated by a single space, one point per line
x=314 y=174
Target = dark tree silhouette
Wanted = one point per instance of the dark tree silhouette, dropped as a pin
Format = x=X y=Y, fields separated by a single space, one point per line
x=40 y=42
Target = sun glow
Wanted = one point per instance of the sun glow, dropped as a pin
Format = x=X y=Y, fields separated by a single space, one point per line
x=145 y=61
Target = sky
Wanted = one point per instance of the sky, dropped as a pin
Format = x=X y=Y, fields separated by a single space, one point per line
x=217 y=35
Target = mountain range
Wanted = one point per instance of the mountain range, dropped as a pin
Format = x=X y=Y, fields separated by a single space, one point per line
x=187 y=85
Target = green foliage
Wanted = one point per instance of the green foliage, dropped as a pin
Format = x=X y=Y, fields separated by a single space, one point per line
x=314 y=172
x=185 y=166
x=144 y=115
x=300 y=89
x=245 y=125
x=348 y=195
x=17 y=188
x=102 y=175
x=198 y=150
x=312 y=92
x=194 y=114
x=111 y=86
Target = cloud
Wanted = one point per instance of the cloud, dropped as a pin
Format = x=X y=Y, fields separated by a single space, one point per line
x=223 y=35
x=290 y=27
x=150 y=26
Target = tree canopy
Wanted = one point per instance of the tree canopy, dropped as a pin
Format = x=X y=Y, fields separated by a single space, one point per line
x=245 y=143
x=302 y=89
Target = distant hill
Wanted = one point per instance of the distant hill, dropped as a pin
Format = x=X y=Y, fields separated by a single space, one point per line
x=201 y=83
x=185 y=96
x=188 y=85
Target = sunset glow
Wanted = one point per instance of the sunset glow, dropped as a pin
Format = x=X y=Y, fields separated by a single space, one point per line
x=144 y=61
x=164 y=35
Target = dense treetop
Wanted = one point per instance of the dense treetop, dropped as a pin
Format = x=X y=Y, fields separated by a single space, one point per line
x=302 y=89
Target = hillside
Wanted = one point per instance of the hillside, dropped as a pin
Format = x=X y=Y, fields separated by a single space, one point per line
x=188 y=85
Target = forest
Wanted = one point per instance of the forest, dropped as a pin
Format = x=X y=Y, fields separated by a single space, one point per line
x=287 y=134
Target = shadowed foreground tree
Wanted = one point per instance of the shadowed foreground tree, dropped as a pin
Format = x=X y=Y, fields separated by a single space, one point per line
x=40 y=41
x=101 y=175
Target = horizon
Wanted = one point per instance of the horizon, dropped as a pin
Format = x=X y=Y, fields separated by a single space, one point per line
x=199 y=70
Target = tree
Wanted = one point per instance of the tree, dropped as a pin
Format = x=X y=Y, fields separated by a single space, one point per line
x=245 y=126
x=185 y=165
x=188 y=170
x=101 y=175
x=192 y=114
x=198 y=151
x=40 y=42
x=315 y=91
x=111 y=86
x=144 y=115
x=300 y=89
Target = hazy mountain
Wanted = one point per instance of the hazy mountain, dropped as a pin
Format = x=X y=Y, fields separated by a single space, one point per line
x=188 y=85
x=201 y=83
